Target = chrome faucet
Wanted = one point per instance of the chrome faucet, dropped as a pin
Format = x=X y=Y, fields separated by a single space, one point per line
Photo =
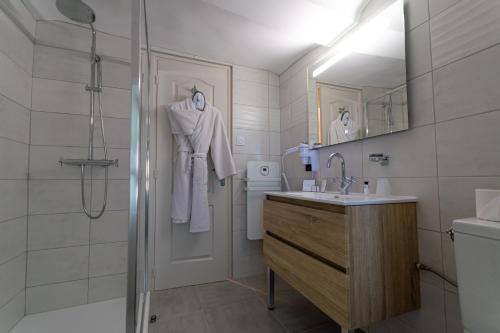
x=346 y=182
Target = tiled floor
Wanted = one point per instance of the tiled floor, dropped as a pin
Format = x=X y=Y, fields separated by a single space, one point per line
x=236 y=307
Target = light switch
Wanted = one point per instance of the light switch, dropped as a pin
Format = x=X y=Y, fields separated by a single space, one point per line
x=240 y=140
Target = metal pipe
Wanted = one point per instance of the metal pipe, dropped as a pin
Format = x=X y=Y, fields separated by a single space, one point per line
x=423 y=267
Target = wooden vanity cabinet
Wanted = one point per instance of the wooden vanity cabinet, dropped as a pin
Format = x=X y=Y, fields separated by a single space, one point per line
x=355 y=263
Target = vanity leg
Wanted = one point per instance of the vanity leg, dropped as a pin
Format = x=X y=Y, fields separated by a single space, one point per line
x=270 y=289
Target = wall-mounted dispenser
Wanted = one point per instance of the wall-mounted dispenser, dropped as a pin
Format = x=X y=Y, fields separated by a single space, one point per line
x=308 y=155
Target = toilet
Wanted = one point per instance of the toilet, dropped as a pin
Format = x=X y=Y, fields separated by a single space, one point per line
x=477 y=255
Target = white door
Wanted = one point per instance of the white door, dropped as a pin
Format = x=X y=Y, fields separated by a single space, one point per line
x=183 y=258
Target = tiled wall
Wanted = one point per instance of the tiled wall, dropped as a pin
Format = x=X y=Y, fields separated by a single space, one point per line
x=256 y=118
x=298 y=114
x=16 y=58
x=453 y=145
x=71 y=259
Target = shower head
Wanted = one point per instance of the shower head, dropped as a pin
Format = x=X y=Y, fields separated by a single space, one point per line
x=76 y=10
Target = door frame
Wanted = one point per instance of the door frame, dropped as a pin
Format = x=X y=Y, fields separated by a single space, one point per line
x=155 y=56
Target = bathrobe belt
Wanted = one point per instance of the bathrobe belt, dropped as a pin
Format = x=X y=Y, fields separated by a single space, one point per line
x=192 y=157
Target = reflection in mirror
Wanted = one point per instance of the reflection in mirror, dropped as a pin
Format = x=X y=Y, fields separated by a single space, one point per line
x=360 y=83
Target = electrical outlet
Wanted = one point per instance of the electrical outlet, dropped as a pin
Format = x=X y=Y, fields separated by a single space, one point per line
x=240 y=140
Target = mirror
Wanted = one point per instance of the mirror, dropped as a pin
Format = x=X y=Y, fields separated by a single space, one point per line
x=359 y=84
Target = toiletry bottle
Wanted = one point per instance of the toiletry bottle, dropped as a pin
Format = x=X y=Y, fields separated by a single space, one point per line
x=366 y=188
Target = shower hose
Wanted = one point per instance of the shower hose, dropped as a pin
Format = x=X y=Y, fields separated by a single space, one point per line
x=93 y=90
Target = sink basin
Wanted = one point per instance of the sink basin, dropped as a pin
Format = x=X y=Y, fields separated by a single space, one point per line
x=352 y=199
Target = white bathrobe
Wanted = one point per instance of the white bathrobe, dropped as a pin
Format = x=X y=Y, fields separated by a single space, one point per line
x=196 y=132
x=339 y=131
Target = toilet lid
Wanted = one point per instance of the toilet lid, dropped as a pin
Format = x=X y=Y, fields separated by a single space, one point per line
x=476 y=227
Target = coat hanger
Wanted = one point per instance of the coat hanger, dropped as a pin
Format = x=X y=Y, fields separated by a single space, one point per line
x=198 y=98
x=343 y=112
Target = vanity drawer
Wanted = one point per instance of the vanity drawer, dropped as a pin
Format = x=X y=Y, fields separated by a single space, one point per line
x=318 y=231
x=322 y=284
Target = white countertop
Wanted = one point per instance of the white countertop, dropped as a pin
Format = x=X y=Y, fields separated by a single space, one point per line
x=352 y=199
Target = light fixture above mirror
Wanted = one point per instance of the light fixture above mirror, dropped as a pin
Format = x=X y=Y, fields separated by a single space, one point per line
x=359 y=83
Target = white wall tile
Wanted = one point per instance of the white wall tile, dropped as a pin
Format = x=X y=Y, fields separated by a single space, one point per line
x=437 y=6
x=11 y=313
x=274 y=120
x=19 y=12
x=420 y=101
x=57 y=265
x=285 y=118
x=107 y=259
x=117 y=194
x=460 y=155
x=457 y=196
x=116 y=102
x=426 y=189
x=274 y=102
x=250 y=93
x=13 y=198
x=456 y=97
x=353 y=156
x=243 y=247
x=68 y=97
x=111 y=227
x=15 y=44
x=60 y=96
x=250 y=74
x=256 y=142
x=18 y=86
x=117 y=133
x=418 y=51
x=73 y=66
x=250 y=117
x=449 y=265
x=56 y=296
x=107 y=287
x=57 y=230
x=274 y=143
x=412 y=154
x=44 y=162
x=14 y=161
x=284 y=96
x=298 y=112
x=430 y=254
x=14 y=120
x=75 y=37
x=239 y=218
x=464 y=29
x=417 y=12
x=56 y=196
x=274 y=79
x=12 y=239
x=12 y=278
x=55 y=129
x=298 y=85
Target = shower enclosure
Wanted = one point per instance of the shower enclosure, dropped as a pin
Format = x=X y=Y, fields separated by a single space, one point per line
x=73 y=240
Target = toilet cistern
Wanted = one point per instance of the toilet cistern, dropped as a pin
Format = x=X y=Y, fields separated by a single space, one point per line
x=345 y=182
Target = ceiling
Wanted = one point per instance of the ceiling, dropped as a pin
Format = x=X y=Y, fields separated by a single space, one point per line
x=265 y=34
